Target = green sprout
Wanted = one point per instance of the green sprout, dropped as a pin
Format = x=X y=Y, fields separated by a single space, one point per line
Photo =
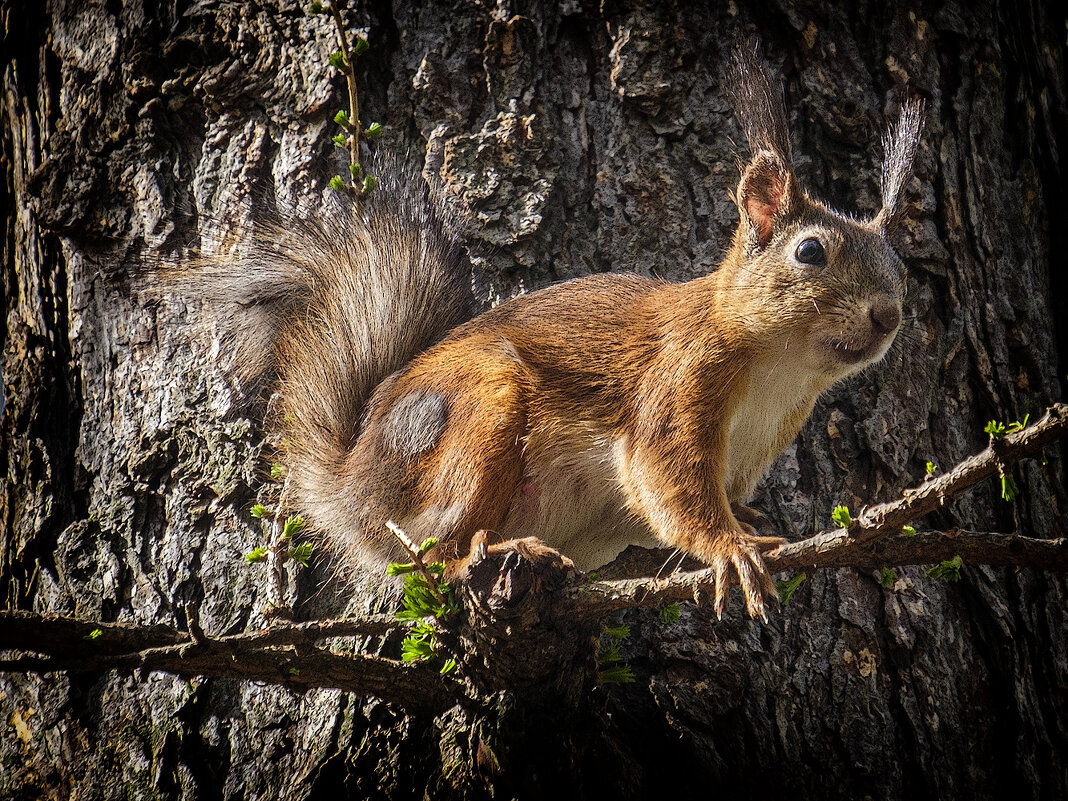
x=94 y=634
x=788 y=587
x=841 y=516
x=277 y=471
x=932 y=468
x=949 y=570
x=611 y=669
x=257 y=554
x=997 y=429
x=670 y=614
x=908 y=531
x=615 y=674
x=337 y=61
x=888 y=577
x=1009 y=489
x=420 y=602
x=293 y=524
x=302 y=553
x=258 y=511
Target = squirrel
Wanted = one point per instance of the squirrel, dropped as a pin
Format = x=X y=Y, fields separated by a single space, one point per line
x=595 y=413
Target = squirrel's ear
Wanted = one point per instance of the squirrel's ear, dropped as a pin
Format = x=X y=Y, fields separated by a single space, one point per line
x=899 y=150
x=766 y=193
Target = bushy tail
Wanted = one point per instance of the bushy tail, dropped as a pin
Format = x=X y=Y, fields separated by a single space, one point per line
x=326 y=308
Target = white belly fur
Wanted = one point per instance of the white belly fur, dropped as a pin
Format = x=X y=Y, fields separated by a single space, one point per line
x=570 y=498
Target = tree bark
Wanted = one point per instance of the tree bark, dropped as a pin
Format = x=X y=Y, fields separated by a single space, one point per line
x=581 y=138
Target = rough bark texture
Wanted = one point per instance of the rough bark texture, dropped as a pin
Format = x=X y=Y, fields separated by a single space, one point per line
x=582 y=138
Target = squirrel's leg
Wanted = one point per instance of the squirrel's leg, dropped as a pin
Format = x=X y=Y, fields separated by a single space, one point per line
x=458 y=421
x=681 y=495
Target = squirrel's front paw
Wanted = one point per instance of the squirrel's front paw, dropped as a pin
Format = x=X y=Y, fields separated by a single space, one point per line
x=740 y=554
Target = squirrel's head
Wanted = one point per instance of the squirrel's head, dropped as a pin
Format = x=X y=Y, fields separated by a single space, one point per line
x=824 y=287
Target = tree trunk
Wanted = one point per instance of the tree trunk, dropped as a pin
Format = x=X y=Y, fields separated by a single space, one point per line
x=581 y=138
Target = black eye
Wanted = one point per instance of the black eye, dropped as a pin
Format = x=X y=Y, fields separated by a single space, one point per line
x=810 y=251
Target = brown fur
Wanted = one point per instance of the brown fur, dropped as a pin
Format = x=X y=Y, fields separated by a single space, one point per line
x=592 y=414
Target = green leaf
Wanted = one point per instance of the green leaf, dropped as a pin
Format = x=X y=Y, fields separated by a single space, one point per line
x=417 y=648
x=372 y=131
x=370 y=183
x=995 y=429
x=340 y=140
x=277 y=471
x=257 y=554
x=337 y=184
x=302 y=553
x=609 y=652
x=618 y=632
x=887 y=577
x=948 y=570
x=258 y=511
x=294 y=671
x=342 y=118
x=398 y=569
x=617 y=674
x=1018 y=425
x=448 y=667
x=337 y=61
x=1009 y=490
x=294 y=523
x=355 y=169
x=787 y=588
x=360 y=46
x=428 y=543
x=932 y=468
x=670 y=614
x=841 y=517
x=94 y=634
x=908 y=531
x=315 y=8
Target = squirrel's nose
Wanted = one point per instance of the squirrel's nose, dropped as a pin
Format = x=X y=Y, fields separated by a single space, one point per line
x=885 y=314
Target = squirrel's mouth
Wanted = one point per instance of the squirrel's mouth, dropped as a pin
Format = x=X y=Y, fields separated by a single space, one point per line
x=850 y=355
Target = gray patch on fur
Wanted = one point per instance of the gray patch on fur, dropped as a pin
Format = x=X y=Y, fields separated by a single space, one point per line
x=415 y=423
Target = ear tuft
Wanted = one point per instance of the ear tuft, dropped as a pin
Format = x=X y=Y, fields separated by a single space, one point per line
x=899 y=151
x=766 y=193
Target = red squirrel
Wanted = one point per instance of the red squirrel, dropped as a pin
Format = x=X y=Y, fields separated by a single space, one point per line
x=592 y=414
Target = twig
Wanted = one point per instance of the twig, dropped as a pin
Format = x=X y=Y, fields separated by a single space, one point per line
x=192 y=621
x=277 y=553
x=888 y=518
x=334 y=7
x=417 y=561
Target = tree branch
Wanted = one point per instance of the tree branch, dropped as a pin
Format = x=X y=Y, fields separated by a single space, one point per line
x=826 y=549
x=284 y=654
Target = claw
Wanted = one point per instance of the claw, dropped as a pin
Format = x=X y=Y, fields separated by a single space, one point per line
x=721 y=588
